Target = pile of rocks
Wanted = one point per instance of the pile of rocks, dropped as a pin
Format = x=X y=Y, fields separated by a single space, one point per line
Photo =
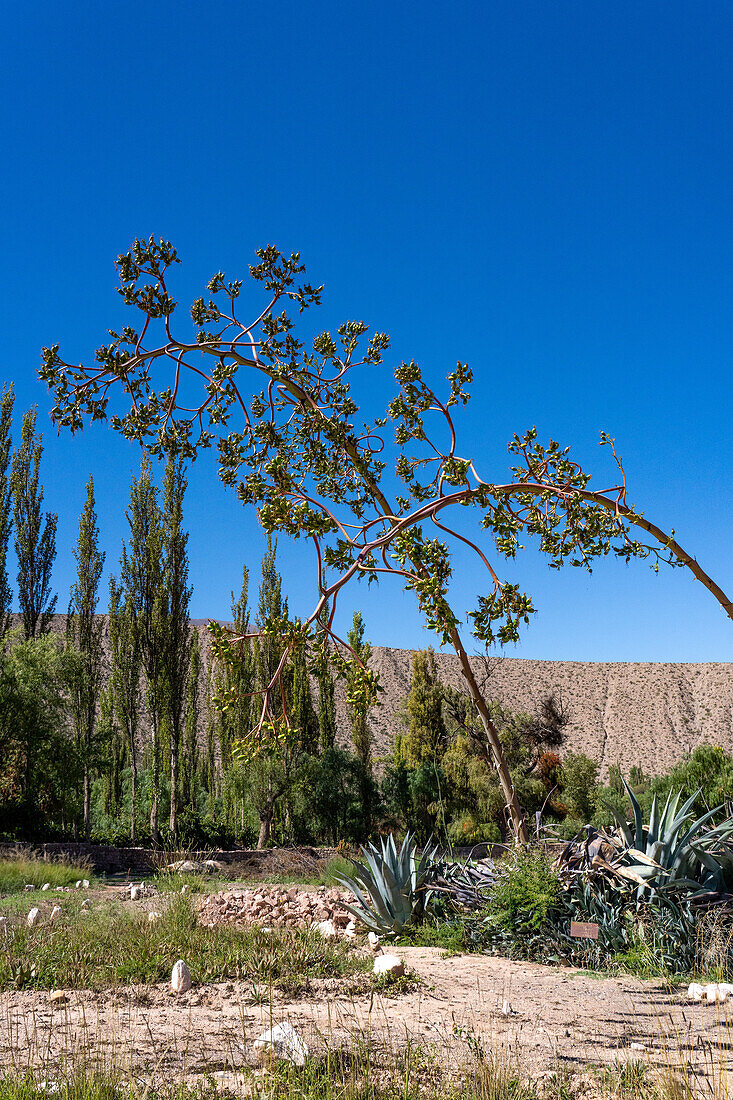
x=279 y=907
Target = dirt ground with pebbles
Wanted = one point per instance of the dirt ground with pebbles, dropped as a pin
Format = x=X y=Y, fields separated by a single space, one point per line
x=552 y=1018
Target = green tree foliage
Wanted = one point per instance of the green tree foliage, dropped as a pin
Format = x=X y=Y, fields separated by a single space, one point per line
x=361 y=737
x=35 y=534
x=579 y=782
x=142 y=574
x=124 y=682
x=174 y=613
x=6 y=503
x=38 y=779
x=424 y=738
x=84 y=637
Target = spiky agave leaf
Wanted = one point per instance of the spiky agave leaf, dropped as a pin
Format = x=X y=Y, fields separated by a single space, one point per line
x=395 y=882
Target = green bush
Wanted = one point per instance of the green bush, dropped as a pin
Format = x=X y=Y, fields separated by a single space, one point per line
x=526 y=893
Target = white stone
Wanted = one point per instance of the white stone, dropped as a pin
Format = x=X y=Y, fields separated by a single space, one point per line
x=375 y=943
x=180 y=977
x=350 y=930
x=695 y=992
x=85 y=884
x=135 y=893
x=185 y=888
x=46 y=886
x=282 y=1041
x=29 y=886
x=153 y=916
x=711 y=993
x=32 y=917
x=77 y=884
x=389 y=964
x=4 y=925
x=636 y=1046
x=55 y=914
x=325 y=928
x=86 y=904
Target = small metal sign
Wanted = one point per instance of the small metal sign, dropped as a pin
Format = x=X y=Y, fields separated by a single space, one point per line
x=581 y=930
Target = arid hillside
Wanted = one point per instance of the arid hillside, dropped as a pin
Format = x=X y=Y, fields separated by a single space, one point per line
x=626 y=713
x=647 y=714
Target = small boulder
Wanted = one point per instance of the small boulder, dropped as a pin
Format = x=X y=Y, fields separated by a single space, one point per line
x=375 y=943
x=180 y=977
x=55 y=914
x=325 y=928
x=390 y=965
x=28 y=887
x=695 y=992
x=136 y=892
x=284 y=1042
x=185 y=889
x=32 y=918
x=46 y=886
x=85 y=884
x=58 y=997
x=86 y=904
x=77 y=884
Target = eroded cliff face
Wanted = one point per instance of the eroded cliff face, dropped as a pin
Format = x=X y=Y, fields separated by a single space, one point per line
x=625 y=713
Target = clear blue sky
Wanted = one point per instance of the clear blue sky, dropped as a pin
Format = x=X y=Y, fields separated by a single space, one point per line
x=542 y=190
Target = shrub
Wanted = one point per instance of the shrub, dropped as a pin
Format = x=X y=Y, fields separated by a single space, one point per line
x=526 y=894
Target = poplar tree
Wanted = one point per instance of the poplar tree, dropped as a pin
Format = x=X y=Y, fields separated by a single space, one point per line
x=35 y=536
x=235 y=683
x=423 y=714
x=84 y=636
x=190 y=771
x=142 y=571
x=176 y=654
x=125 y=681
x=326 y=707
x=6 y=510
x=361 y=736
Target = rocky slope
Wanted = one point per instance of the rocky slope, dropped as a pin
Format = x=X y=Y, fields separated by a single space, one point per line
x=627 y=713
x=640 y=713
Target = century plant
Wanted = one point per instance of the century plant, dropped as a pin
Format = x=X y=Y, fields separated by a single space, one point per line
x=675 y=850
x=298 y=453
x=392 y=887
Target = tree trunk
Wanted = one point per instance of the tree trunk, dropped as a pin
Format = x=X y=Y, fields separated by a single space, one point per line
x=173 y=819
x=518 y=822
x=154 y=786
x=133 y=795
x=87 y=801
x=265 y=826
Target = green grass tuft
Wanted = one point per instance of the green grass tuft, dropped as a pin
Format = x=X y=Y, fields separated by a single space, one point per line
x=18 y=871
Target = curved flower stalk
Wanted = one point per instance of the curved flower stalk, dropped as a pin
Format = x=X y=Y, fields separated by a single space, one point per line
x=283 y=414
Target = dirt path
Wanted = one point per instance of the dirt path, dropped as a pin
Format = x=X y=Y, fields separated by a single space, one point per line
x=557 y=1017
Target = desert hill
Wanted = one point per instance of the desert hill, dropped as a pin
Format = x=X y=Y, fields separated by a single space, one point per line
x=650 y=714
x=628 y=713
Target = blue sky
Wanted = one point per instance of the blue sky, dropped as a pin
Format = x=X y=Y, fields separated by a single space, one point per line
x=541 y=190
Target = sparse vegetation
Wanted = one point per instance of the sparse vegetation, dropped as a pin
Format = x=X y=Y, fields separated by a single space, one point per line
x=109 y=946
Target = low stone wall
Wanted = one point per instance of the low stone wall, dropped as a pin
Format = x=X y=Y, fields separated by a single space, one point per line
x=142 y=861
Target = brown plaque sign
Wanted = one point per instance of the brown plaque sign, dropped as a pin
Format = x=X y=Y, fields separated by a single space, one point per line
x=583 y=931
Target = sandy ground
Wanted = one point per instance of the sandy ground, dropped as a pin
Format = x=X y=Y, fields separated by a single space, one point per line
x=558 y=1018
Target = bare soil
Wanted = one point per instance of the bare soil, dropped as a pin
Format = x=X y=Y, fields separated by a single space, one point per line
x=552 y=1018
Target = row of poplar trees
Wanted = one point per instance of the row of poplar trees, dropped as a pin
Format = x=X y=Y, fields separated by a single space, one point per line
x=125 y=728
